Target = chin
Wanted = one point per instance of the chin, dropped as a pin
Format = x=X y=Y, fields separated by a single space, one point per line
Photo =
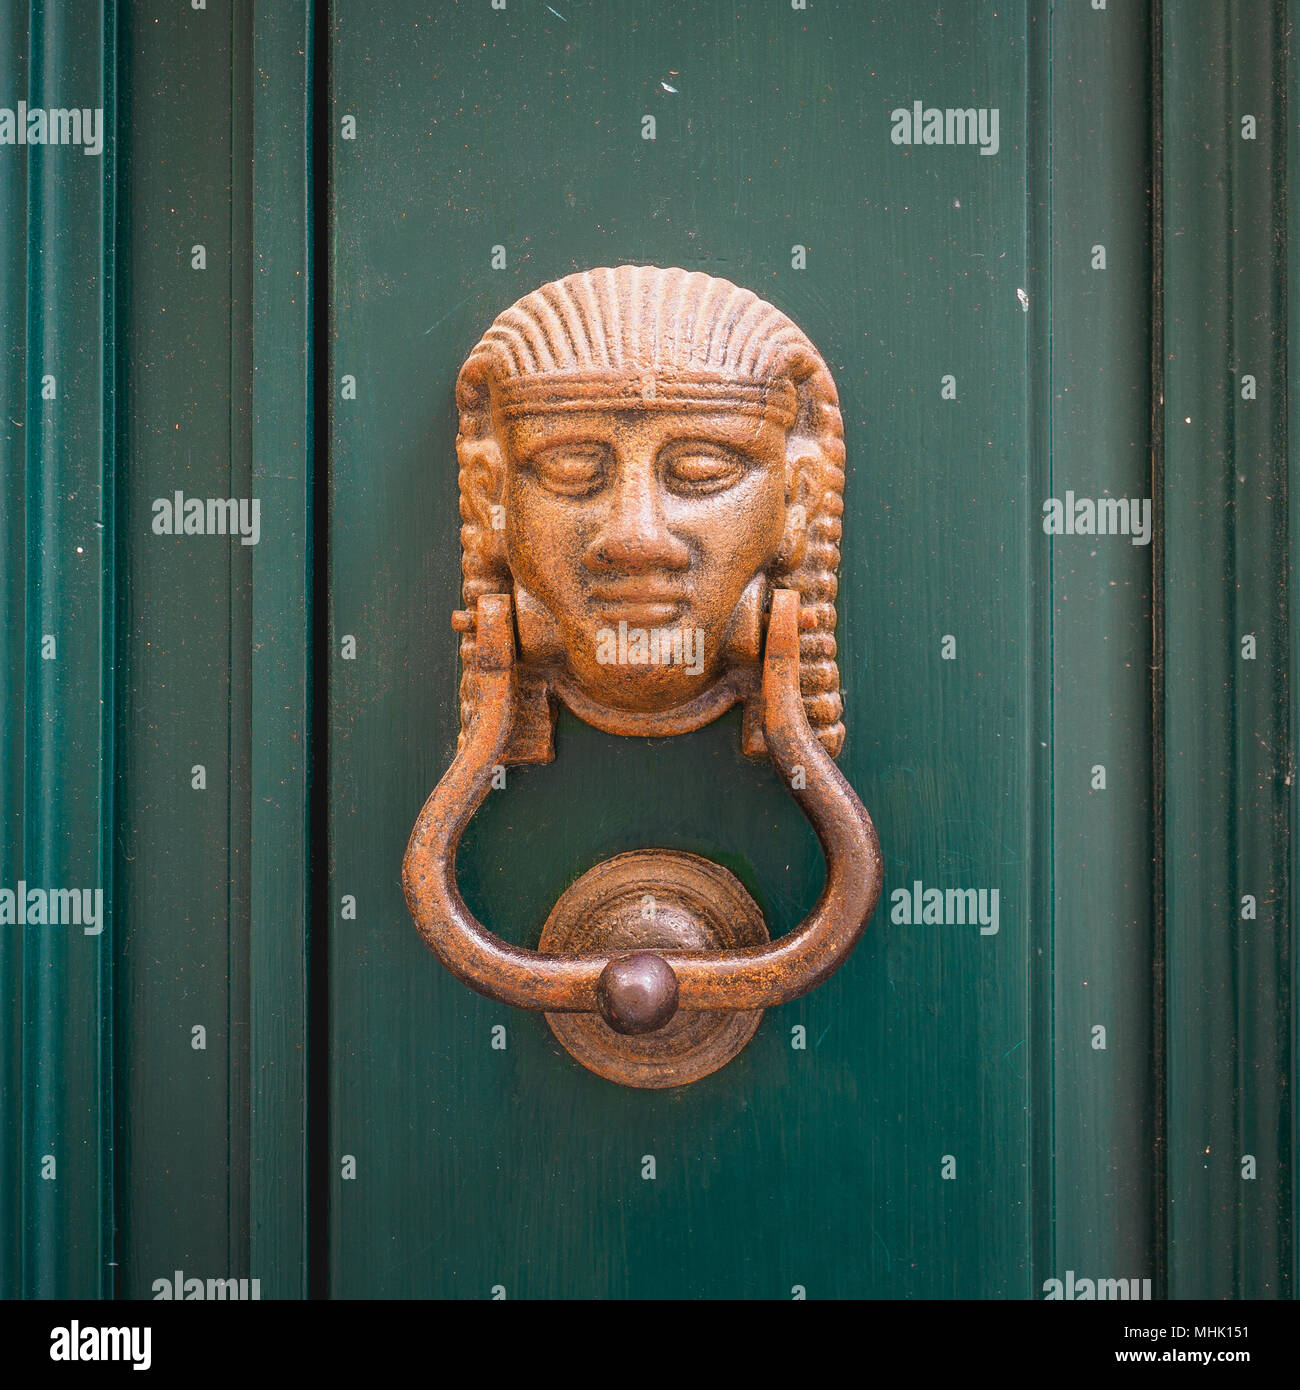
x=647 y=693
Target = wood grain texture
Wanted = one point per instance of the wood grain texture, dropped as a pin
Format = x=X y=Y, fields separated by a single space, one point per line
x=283 y=475
x=819 y=1168
x=1230 y=727
x=58 y=697
x=1102 y=1107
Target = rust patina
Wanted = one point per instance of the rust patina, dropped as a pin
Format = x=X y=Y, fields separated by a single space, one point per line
x=651 y=474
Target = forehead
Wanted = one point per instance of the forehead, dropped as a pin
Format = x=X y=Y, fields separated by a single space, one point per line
x=639 y=428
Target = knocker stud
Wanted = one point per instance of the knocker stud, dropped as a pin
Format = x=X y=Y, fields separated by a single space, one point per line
x=651 y=480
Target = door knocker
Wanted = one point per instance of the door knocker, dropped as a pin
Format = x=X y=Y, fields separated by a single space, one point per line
x=651 y=480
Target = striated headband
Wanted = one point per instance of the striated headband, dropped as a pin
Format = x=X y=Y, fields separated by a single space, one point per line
x=663 y=389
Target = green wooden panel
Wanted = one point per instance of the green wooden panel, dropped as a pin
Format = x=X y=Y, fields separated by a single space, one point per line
x=280 y=778
x=1104 y=1113
x=58 y=697
x=130 y=657
x=1229 y=736
x=13 y=653
x=820 y=1168
x=183 y=877
x=216 y=644
x=1289 y=840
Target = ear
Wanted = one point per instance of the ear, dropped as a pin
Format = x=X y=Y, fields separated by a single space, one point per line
x=483 y=482
x=803 y=466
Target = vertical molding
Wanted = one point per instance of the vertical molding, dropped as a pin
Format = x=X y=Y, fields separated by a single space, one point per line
x=1038 y=216
x=1159 y=904
x=245 y=715
x=215 y=648
x=13 y=661
x=282 y=469
x=1229 y=812
x=212 y=646
x=110 y=368
x=79 y=470
x=178 y=874
x=1291 y=75
x=66 y=698
x=1098 y=406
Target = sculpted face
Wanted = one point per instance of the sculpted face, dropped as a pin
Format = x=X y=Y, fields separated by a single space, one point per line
x=657 y=521
x=643 y=454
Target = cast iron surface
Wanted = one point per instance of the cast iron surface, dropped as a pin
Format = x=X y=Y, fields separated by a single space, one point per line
x=752 y=977
x=651 y=475
x=654 y=903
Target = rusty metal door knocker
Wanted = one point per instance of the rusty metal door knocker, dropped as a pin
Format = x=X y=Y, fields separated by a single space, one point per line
x=651 y=480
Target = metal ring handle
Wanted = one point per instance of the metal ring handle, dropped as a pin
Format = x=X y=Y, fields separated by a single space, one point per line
x=754 y=977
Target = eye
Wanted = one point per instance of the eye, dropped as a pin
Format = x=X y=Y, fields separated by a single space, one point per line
x=699 y=469
x=572 y=470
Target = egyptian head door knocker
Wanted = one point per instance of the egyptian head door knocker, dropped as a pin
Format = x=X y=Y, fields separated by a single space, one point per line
x=651 y=480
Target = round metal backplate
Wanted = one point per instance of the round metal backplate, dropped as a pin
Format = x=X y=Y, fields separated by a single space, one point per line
x=661 y=901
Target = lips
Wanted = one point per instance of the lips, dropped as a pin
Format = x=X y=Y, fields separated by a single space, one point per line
x=645 y=603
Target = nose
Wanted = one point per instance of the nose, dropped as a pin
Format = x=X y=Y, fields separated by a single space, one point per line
x=634 y=538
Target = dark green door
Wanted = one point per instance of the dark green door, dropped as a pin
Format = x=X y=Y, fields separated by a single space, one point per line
x=888 y=1112
x=1065 y=634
